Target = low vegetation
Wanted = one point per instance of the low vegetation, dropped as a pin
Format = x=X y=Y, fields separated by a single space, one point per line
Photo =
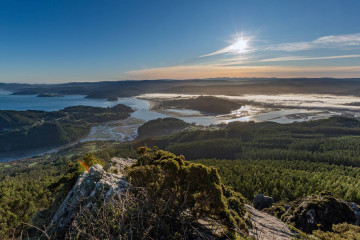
x=168 y=199
x=32 y=190
x=343 y=231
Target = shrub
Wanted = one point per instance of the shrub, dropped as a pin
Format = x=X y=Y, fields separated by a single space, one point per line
x=342 y=231
x=183 y=190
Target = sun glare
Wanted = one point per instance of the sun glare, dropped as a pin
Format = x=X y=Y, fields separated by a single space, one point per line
x=240 y=45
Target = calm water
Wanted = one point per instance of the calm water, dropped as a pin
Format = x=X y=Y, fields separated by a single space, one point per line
x=142 y=112
x=101 y=132
x=32 y=102
x=141 y=107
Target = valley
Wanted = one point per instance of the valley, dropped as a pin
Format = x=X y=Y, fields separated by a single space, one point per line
x=180 y=120
x=287 y=146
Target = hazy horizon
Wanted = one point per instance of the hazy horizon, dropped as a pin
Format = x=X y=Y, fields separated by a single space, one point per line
x=187 y=79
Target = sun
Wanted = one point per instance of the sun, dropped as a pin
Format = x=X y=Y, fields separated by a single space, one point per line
x=240 y=45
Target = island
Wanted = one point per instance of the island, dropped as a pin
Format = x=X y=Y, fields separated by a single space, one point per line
x=204 y=104
x=49 y=95
x=112 y=99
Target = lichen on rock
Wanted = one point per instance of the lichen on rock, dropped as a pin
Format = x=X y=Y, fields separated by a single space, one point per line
x=92 y=187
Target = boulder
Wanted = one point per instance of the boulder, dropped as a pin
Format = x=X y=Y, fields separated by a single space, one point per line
x=355 y=207
x=260 y=201
x=321 y=212
x=357 y=217
x=92 y=187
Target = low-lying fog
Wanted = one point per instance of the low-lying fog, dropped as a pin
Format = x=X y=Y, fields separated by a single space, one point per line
x=284 y=108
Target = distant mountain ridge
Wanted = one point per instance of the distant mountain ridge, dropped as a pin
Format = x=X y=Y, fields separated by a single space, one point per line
x=225 y=86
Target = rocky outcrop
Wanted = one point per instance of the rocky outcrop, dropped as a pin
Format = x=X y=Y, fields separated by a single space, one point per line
x=267 y=227
x=321 y=212
x=260 y=201
x=92 y=187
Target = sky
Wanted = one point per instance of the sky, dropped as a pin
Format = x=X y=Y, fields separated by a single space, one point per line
x=55 y=41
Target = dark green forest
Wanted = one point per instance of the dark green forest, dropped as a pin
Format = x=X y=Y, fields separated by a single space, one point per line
x=160 y=127
x=286 y=162
x=334 y=141
x=205 y=104
x=288 y=180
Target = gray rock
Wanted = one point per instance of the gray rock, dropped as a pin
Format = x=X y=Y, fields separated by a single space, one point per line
x=357 y=217
x=119 y=165
x=320 y=212
x=311 y=215
x=353 y=205
x=261 y=201
x=90 y=188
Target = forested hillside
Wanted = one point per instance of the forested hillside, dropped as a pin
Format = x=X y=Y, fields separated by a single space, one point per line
x=21 y=130
x=288 y=180
x=335 y=141
x=160 y=127
x=205 y=104
x=286 y=162
x=283 y=161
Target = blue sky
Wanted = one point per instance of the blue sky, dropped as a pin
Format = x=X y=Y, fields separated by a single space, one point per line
x=63 y=41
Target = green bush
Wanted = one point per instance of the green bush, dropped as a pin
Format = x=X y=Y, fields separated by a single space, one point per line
x=90 y=160
x=342 y=231
x=184 y=187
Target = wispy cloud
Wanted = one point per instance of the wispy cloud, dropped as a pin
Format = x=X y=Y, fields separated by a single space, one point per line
x=289 y=47
x=343 y=40
x=299 y=58
x=239 y=45
x=236 y=64
x=332 y=41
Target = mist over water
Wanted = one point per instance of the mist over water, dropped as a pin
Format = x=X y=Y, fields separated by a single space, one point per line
x=277 y=108
x=282 y=108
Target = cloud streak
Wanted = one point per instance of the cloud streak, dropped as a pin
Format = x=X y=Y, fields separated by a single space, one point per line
x=239 y=45
x=243 y=65
x=331 y=41
x=298 y=58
